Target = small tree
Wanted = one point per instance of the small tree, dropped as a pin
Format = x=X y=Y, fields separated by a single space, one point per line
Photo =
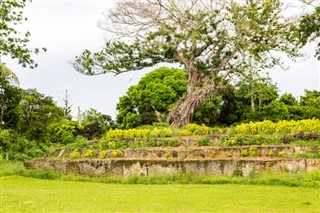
x=67 y=106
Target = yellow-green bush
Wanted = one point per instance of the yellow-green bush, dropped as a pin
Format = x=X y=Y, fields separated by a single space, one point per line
x=269 y=127
x=155 y=133
x=166 y=132
x=197 y=129
x=75 y=154
x=114 y=134
x=117 y=153
x=103 y=154
x=88 y=153
x=184 y=132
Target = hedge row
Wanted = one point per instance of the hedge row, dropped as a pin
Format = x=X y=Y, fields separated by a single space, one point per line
x=191 y=129
x=269 y=127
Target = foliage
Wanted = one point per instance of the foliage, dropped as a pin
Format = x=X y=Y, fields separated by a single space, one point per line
x=244 y=153
x=117 y=153
x=95 y=124
x=167 y=143
x=64 y=131
x=10 y=97
x=13 y=42
x=254 y=152
x=155 y=93
x=103 y=154
x=75 y=154
x=309 y=29
x=197 y=129
x=269 y=127
x=203 y=142
x=88 y=153
x=213 y=154
x=78 y=142
x=38 y=112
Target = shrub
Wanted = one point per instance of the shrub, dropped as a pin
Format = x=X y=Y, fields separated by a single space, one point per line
x=88 y=153
x=224 y=140
x=166 y=132
x=270 y=153
x=197 y=129
x=167 y=154
x=75 y=154
x=184 y=132
x=299 y=135
x=155 y=133
x=268 y=127
x=244 y=153
x=114 y=134
x=203 y=142
x=286 y=139
x=312 y=136
x=168 y=143
x=112 y=145
x=213 y=154
x=103 y=154
x=254 y=152
x=174 y=153
x=117 y=153
x=282 y=154
x=151 y=143
x=80 y=143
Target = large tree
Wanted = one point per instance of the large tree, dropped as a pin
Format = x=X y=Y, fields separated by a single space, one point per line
x=213 y=39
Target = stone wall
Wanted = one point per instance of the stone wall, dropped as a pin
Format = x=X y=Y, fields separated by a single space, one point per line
x=127 y=167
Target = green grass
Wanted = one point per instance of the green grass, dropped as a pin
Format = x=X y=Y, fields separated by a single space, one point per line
x=20 y=194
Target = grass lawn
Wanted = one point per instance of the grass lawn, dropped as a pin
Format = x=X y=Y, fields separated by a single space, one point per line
x=20 y=194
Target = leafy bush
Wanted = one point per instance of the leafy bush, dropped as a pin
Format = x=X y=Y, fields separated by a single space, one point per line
x=270 y=153
x=75 y=154
x=168 y=143
x=282 y=154
x=213 y=154
x=155 y=133
x=197 y=129
x=244 y=153
x=254 y=152
x=117 y=153
x=203 y=142
x=88 y=153
x=103 y=154
x=79 y=142
x=269 y=127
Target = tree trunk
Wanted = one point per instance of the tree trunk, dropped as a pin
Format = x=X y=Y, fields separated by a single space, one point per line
x=182 y=113
x=252 y=104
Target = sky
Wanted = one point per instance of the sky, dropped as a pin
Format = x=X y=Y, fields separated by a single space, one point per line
x=67 y=27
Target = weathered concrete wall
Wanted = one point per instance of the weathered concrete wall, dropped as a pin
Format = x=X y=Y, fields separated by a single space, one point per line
x=127 y=167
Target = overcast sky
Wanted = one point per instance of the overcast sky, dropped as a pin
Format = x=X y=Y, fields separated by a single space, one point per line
x=66 y=28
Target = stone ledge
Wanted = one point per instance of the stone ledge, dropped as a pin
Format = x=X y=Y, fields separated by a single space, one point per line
x=127 y=167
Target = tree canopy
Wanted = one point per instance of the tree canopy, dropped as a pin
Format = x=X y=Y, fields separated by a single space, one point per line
x=151 y=99
x=309 y=28
x=12 y=42
x=213 y=40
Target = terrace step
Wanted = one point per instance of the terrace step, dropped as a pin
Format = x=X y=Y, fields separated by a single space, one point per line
x=195 y=152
